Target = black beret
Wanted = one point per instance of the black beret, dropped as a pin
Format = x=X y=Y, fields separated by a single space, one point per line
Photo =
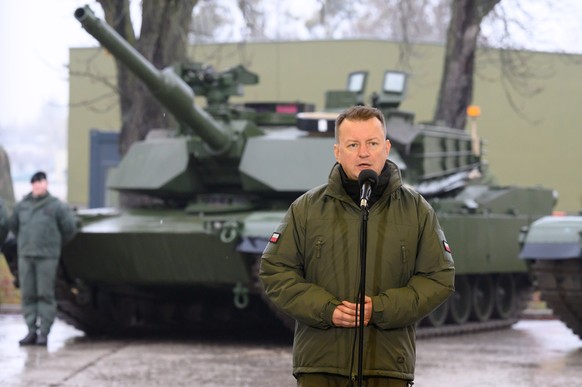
x=38 y=177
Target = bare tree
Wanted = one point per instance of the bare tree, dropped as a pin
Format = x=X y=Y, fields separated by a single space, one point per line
x=162 y=40
x=519 y=72
x=456 y=90
x=254 y=19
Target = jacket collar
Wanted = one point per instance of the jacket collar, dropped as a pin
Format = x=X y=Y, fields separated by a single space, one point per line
x=39 y=201
x=335 y=188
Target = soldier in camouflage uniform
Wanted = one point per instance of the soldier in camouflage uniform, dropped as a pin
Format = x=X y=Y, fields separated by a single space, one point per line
x=41 y=224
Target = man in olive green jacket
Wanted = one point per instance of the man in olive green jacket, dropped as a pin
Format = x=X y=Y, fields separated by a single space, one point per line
x=310 y=267
x=41 y=224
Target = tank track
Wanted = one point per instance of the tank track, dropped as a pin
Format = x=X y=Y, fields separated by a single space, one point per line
x=79 y=311
x=559 y=281
x=112 y=312
x=467 y=328
x=523 y=294
x=118 y=311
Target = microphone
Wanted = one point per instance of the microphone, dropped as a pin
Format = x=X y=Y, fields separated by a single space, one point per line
x=367 y=180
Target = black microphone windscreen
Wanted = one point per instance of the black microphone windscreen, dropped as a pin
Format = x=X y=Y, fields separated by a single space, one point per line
x=368 y=175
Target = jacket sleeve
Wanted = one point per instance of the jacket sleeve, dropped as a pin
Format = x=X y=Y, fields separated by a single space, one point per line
x=430 y=285
x=282 y=274
x=67 y=223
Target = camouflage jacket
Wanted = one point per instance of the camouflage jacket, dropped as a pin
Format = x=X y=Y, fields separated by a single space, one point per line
x=311 y=264
x=42 y=225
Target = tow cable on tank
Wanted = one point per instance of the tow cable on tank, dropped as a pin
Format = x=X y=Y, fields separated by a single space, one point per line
x=230 y=231
x=241 y=295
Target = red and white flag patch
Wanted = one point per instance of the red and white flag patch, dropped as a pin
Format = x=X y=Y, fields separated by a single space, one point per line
x=275 y=237
x=447 y=247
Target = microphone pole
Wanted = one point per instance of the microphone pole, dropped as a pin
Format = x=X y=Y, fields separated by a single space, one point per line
x=362 y=293
x=367 y=180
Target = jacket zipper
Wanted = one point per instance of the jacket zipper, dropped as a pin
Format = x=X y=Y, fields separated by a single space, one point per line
x=404 y=265
x=318 y=245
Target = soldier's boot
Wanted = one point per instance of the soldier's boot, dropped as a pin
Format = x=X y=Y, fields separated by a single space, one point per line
x=29 y=339
x=42 y=339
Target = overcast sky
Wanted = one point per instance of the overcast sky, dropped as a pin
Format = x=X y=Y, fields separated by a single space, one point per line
x=35 y=37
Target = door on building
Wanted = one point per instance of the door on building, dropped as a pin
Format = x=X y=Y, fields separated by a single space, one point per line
x=104 y=155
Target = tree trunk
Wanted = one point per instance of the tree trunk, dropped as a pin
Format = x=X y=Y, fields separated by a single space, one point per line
x=456 y=90
x=163 y=41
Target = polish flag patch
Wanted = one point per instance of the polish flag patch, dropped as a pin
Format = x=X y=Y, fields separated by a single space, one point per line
x=445 y=246
x=275 y=237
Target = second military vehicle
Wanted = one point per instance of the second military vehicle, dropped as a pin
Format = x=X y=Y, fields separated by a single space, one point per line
x=552 y=247
x=223 y=182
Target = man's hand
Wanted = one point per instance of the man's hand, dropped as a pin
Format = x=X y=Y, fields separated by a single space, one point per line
x=346 y=314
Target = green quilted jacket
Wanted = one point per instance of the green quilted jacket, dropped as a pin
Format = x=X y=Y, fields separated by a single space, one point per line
x=312 y=263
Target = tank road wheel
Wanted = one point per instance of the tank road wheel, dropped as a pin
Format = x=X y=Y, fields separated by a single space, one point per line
x=125 y=311
x=504 y=296
x=83 y=307
x=483 y=297
x=438 y=316
x=460 y=301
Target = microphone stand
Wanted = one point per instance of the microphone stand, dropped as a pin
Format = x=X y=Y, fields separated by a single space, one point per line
x=362 y=294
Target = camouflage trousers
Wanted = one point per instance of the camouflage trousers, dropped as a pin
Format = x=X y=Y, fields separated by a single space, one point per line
x=37 y=291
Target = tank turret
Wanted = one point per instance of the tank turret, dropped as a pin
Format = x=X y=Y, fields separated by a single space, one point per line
x=222 y=148
x=169 y=89
x=211 y=152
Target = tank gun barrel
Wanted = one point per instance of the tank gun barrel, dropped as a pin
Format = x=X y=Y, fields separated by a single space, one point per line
x=168 y=88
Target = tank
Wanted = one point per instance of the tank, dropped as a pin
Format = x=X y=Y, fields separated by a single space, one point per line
x=8 y=247
x=552 y=248
x=222 y=182
x=6 y=184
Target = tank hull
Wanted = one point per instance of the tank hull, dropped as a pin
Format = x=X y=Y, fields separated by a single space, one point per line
x=144 y=270
x=491 y=242
x=151 y=248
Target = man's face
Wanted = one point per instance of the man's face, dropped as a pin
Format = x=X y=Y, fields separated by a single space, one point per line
x=361 y=145
x=39 y=187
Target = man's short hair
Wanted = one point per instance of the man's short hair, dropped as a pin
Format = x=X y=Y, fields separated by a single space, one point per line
x=38 y=177
x=358 y=113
